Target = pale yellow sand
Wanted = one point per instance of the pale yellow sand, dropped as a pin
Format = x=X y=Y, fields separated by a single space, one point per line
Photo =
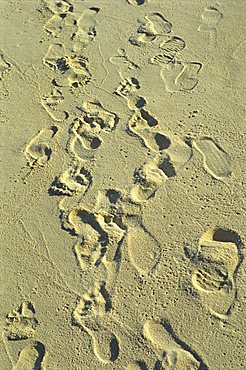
x=122 y=184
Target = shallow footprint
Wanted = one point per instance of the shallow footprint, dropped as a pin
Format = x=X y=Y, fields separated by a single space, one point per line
x=181 y=77
x=38 y=151
x=188 y=78
x=86 y=28
x=31 y=357
x=216 y=263
x=215 y=159
x=89 y=314
x=51 y=104
x=210 y=19
x=170 y=48
x=176 y=355
x=143 y=249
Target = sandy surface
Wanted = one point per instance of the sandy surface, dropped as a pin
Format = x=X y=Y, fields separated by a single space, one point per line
x=122 y=184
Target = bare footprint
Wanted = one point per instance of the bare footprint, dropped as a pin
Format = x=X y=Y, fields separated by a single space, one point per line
x=154 y=25
x=75 y=180
x=215 y=159
x=31 y=357
x=216 y=264
x=173 y=352
x=73 y=69
x=85 y=136
x=89 y=314
x=21 y=323
x=143 y=249
x=143 y=125
x=38 y=151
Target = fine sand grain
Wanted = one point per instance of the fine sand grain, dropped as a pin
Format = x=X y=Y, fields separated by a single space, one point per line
x=123 y=183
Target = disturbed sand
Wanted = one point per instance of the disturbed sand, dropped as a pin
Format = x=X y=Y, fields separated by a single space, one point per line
x=123 y=184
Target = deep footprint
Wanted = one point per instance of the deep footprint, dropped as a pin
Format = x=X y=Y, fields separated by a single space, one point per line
x=89 y=314
x=31 y=357
x=216 y=265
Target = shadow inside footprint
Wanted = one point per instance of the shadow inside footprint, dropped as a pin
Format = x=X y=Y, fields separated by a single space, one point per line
x=216 y=264
x=31 y=357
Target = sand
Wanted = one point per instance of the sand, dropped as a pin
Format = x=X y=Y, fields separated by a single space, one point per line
x=123 y=184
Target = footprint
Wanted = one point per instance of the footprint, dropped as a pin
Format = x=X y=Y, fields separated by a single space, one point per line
x=154 y=25
x=21 y=322
x=31 y=357
x=188 y=78
x=82 y=147
x=236 y=73
x=215 y=159
x=75 y=180
x=174 y=353
x=100 y=234
x=73 y=69
x=5 y=66
x=147 y=180
x=170 y=48
x=142 y=125
x=86 y=129
x=97 y=117
x=62 y=25
x=216 y=264
x=51 y=104
x=59 y=6
x=86 y=28
x=38 y=151
x=152 y=175
x=128 y=88
x=124 y=63
x=54 y=57
x=181 y=77
x=89 y=314
x=143 y=249
x=210 y=19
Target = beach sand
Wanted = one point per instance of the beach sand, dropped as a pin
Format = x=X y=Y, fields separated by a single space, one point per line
x=123 y=184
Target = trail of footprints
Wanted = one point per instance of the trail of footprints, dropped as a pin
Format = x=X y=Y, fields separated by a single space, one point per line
x=110 y=230
x=178 y=75
x=169 y=153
